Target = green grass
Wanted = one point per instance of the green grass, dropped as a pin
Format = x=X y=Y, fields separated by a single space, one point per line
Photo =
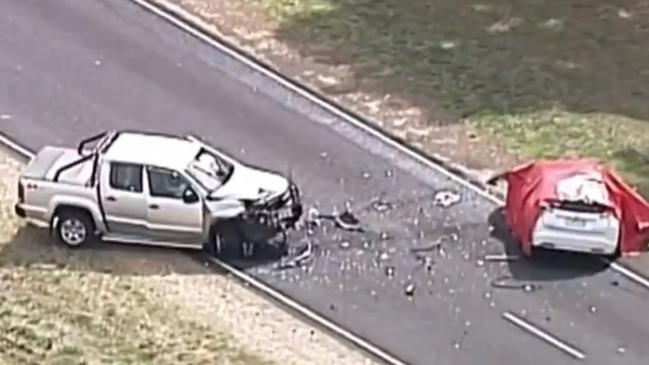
x=506 y=66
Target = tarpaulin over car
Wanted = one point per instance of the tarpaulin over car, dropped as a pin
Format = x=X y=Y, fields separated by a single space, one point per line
x=532 y=185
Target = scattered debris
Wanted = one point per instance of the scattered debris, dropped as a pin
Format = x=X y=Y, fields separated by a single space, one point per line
x=621 y=349
x=480 y=263
x=381 y=206
x=389 y=173
x=504 y=282
x=384 y=236
x=346 y=220
x=384 y=256
x=592 y=309
x=5 y=116
x=345 y=245
x=299 y=260
x=366 y=175
x=446 y=198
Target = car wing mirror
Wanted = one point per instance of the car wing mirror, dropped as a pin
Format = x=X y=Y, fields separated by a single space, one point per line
x=189 y=196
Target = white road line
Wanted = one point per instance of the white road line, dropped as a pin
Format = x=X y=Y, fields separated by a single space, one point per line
x=545 y=336
x=16 y=147
x=631 y=275
x=312 y=315
x=183 y=22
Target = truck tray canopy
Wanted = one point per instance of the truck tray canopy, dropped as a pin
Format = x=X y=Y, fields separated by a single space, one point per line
x=541 y=183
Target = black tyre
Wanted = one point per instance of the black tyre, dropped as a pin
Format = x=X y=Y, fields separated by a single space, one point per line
x=227 y=240
x=74 y=228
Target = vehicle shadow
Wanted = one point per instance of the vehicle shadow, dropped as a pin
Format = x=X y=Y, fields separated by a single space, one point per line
x=33 y=247
x=545 y=265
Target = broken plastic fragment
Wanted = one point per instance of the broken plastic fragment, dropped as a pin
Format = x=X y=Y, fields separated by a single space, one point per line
x=381 y=206
x=410 y=289
x=389 y=271
x=347 y=221
x=446 y=198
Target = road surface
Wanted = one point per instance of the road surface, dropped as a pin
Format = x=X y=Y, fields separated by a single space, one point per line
x=69 y=69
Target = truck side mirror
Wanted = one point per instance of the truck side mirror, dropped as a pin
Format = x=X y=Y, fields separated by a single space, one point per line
x=189 y=196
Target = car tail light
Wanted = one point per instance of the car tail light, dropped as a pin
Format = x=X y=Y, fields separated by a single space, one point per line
x=21 y=192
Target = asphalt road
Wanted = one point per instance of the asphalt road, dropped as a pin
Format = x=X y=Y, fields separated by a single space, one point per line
x=69 y=69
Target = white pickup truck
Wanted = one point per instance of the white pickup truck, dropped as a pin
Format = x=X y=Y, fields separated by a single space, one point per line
x=154 y=189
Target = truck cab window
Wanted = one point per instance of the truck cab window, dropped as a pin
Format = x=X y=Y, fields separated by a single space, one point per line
x=165 y=183
x=125 y=176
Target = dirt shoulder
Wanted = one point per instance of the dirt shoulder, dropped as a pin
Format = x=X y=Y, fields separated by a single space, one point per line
x=127 y=305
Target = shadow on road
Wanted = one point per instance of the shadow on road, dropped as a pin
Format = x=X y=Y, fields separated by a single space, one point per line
x=545 y=265
x=34 y=247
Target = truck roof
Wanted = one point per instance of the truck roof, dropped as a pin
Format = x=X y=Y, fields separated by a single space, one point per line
x=152 y=149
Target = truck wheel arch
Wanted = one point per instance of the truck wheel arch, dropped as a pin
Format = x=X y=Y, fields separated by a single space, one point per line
x=69 y=207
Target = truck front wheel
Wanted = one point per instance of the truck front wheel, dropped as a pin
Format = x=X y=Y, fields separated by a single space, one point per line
x=227 y=239
x=74 y=228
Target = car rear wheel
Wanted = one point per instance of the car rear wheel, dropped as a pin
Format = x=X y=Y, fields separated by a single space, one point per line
x=74 y=228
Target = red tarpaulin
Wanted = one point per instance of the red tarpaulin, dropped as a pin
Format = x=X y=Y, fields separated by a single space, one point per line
x=535 y=183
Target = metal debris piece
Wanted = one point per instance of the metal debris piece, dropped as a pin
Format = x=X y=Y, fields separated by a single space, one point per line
x=389 y=271
x=502 y=283
x=346 y=220
x=381 y=205
x=299 y=260
x=410 y=290
x=446 y=198
x=501 y=257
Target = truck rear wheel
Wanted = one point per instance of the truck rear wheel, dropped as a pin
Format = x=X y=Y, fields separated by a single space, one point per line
x=74 y=228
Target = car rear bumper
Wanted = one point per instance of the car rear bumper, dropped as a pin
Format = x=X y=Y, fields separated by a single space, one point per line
x=575 y=243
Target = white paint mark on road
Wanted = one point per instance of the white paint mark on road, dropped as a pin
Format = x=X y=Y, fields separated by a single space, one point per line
x=545 y=336
x=631 y=275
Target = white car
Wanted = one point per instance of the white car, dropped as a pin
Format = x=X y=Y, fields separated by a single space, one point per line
x=154 y=189
x=580 y=221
